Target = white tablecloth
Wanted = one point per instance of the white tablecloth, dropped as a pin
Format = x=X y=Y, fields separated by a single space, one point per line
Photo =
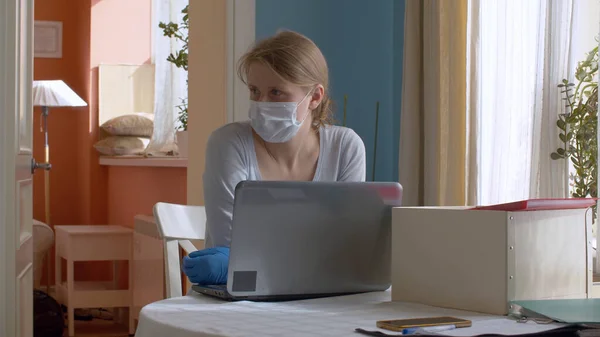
x=198 y=315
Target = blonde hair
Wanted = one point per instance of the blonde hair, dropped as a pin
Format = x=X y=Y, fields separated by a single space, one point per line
x=298 y=60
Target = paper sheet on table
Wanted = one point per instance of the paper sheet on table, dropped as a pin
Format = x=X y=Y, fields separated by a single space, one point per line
x=507 y=326
x=485 y=327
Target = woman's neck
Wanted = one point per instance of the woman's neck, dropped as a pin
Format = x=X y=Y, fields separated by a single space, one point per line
x=290 y=153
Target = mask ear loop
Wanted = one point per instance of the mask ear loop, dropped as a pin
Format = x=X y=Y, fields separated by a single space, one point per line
x=308 y=112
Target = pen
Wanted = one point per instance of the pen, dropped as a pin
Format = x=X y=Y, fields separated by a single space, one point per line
x=415 y=331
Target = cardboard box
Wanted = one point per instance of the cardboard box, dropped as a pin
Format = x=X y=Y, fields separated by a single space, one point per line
x=480 y=260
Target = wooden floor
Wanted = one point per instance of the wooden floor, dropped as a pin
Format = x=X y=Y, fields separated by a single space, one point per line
x=98 y=328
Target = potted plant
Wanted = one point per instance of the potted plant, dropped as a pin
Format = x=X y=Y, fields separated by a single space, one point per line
x=578 y=131
x=179 y=31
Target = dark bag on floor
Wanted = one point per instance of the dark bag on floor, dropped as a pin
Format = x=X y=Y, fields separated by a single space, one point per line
x=48 y=318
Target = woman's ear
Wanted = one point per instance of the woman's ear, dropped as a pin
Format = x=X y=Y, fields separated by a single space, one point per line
x=317 y=97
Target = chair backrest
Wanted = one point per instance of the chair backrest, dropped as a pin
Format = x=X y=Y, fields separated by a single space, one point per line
x=177 y=224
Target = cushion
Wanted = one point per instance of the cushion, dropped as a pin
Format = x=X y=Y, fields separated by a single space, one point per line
x=43 y=240
x=138 y=124
x=122 y=145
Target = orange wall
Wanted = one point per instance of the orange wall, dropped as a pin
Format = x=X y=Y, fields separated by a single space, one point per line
x=82 y=191
x=126 y=187
x=64 y=124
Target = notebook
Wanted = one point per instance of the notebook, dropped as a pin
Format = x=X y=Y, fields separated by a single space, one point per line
x=541 y=204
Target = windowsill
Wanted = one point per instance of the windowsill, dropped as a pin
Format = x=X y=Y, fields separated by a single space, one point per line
x=143 y=162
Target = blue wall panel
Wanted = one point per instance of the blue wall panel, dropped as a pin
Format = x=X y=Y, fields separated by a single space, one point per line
x=362 y=42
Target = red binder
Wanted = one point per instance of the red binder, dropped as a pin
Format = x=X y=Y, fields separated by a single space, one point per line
x=541 y=204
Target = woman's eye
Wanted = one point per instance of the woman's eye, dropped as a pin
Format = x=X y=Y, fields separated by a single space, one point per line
x=275 y=92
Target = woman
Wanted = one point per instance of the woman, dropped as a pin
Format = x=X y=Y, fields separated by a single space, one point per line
x=289 y=137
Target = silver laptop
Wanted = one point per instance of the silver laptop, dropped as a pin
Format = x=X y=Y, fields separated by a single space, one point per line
x=298 y=240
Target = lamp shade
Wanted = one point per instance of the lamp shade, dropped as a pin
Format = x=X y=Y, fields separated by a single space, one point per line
x=55 y=93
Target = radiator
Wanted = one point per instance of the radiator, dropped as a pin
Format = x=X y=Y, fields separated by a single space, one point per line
x=148 y=264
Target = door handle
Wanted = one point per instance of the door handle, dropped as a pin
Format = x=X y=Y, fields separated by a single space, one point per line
x=35 y=165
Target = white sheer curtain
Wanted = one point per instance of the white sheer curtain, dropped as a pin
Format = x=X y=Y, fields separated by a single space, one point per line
x=525 y=50
x=170 y=82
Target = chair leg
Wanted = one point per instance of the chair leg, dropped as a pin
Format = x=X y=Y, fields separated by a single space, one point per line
x=131 y=284
x=172 y=269
x=70 y=299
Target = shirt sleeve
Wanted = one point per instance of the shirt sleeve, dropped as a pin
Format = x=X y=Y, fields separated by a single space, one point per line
x=353 y=162
x=224 y=169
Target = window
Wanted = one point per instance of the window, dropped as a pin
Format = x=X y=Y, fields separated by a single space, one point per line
x=170 y=94
x=525 y=50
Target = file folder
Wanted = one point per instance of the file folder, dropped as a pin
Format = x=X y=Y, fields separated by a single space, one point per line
x=571 y=311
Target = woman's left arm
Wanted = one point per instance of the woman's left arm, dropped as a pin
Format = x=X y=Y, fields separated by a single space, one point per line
x=353 y=162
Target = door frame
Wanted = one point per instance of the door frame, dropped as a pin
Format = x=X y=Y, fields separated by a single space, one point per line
x=7 y=173
x=241 y=18
x=14 y=160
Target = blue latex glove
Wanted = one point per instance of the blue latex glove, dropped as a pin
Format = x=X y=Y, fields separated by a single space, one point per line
x=207 y=266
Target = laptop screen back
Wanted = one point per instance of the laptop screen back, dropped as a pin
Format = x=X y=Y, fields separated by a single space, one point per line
x=291 y=238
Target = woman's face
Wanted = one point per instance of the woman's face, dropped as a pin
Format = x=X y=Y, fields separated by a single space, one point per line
x=266 y=86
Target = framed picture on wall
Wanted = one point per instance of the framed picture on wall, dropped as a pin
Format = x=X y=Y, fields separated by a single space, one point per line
x=47 y=39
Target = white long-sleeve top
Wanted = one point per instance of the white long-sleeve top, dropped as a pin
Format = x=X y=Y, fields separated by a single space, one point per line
x=231 y=158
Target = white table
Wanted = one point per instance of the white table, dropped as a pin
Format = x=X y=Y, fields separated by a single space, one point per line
x=197 y=315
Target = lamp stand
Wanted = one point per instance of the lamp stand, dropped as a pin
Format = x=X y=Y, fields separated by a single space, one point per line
x=45 y=112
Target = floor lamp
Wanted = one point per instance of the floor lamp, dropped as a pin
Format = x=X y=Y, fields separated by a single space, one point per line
x=47 y=94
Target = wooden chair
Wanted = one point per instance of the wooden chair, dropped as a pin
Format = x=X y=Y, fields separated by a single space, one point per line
x=177 y=225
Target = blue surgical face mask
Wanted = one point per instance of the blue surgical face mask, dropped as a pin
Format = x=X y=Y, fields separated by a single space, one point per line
x=275 y=122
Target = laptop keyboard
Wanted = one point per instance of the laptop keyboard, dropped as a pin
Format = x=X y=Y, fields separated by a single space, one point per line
x=217 y=286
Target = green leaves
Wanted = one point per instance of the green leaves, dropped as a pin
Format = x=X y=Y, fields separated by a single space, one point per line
x=182 y=117
x=179 y=31
x=581 y=74
x=578 y=127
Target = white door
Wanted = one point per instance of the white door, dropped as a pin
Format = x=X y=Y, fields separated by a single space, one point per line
x=16 y=126
x=240 y=37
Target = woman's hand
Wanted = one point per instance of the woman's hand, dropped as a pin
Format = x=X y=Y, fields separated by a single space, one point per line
x=207 y=266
